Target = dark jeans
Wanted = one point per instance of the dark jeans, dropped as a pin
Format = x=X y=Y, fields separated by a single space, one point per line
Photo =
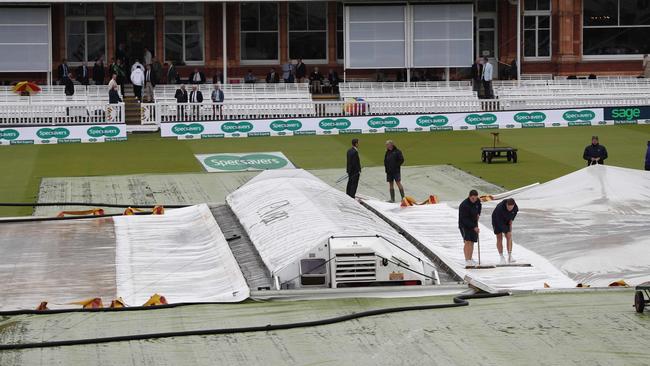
x=353 y=183
x=487 y=89
x=137 y=90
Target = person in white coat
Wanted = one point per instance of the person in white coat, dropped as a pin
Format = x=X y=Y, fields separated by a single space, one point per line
x=486 y=77
x=137 y=78
x=136 y=64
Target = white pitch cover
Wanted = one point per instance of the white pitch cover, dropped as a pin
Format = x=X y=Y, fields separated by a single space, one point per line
x=181 y=255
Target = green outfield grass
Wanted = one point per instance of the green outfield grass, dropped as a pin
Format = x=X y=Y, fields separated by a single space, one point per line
x=544 y=154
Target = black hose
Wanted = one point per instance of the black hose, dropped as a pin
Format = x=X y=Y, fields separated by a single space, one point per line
x=459 y=301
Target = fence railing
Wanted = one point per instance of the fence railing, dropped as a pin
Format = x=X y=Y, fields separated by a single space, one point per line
x=61 y=114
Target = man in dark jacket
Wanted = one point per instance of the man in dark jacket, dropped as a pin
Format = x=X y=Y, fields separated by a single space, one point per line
x=83 y=73
x=477 y=69
x=301 y=71
x=595 y=153
x=502 y=217
x=393 y=160
x=181 y=97
x=647 y=157
x=63 y=71
x=353 y=169
x=172 y=75
x=69 y=85
x=468 y=215
x=99 y=73
x=113 y=95
x=272 y=76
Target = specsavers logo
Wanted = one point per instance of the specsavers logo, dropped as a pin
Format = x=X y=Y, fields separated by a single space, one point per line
x=290 y=125
x=107 y=131
x=9 y=134
x=478 y=119
x=388 y=122
x=53 y=133
x=246 y=162
x=191 y=129
x=574 y=116
x=428 y=121
x=237 y=127
x=330 y=124
x=533 y=117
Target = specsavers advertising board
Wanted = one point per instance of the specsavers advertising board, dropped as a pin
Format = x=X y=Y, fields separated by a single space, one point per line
x=62 y=134
x=225 y=163
x=380 y=124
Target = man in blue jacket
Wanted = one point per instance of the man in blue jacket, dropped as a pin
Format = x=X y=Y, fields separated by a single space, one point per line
x=595 y=153
x=353 y=168
x=468 y=215
x=502 y=218
x=393 y=160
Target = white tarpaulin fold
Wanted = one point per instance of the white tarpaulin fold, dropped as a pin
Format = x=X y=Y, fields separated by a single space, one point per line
x=182 y=255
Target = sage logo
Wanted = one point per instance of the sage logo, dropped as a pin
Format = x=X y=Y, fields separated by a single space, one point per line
x=533 y=117
x=477 y=119
x=427 y=121
x=574 y=116
x=379 y=122
x=245 y=162
x=9 y=134
x=235 y=127
x=191 y=129
x=625 y=114
x=53 y=133
x=330 y=124
x=290 y=125
x=98 y=131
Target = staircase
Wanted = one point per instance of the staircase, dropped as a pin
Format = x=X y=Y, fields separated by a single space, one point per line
x=132 y=111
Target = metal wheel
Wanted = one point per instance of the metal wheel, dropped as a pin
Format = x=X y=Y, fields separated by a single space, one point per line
x=639 y=301
x=514 y=156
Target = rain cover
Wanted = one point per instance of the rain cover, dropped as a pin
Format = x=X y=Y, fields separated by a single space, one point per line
x=287 y=213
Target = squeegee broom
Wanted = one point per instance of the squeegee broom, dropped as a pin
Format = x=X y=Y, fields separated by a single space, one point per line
x=480 y=266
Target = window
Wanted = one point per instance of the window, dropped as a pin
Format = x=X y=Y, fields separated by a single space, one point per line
x=537 y=29
x=340 y=45
x=308 y=30
x=183 y=33
x=133 y=10
x=85 y=32
x=259 y=31
x=616 y=27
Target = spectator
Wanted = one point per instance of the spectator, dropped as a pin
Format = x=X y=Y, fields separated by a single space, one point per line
x=64 y=71
x=157 y=69
x=333 y=78
x=197 y=77
x=477 y=69
x=316 y=80
x=217 y=78
x=69 y=85
x=487 y=79
x=272 y=76
x=196 y=97
x=113 y=95
x=646 y=66
x=137 y=79
x=393 y=160
x=217 y=98
x=150 y=76
x=83 y=74
x=287 y=72
x=595 y=153
x=172 y=75
x=118 y=69
x=301 y=71
x=249 y=78
x=136 y=65
x=513 y=69
x=147 y=56
x=99 y=73
x=181 y=97
x=647 y=157
x=113 y=82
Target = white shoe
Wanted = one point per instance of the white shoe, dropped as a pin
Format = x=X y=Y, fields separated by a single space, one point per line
x=502 y=260
x=511 y=259
x=470 y=263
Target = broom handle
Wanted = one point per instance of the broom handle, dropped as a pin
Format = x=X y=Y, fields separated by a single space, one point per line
x=478 y=241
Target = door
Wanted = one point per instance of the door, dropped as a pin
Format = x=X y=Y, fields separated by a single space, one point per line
x=486 y=40
x=134 y=35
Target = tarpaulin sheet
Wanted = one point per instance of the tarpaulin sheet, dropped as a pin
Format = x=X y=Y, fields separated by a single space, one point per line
x=286 y=213
x=436 y=227
x=181 y=255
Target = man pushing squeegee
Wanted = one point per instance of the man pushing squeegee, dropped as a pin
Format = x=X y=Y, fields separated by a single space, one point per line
x=502 y=217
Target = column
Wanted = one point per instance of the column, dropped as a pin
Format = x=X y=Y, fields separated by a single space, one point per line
x=331 y=33
x=110 y=34
x=159 y=25
x=566 y=55
x=284 y=32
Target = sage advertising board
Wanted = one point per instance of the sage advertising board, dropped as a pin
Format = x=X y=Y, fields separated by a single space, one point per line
x=225 y=163
x=628 y=115
x=381 y=124
x=62 y=134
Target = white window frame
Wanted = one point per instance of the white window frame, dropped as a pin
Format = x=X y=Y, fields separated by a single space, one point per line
x=634 y=57
x=85 y=19
x=342 y=31
x=537 y=14
x=326 y=30
x=277 y=32
x=183 y=19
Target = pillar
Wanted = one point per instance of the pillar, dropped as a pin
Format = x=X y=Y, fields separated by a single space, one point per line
x=159 y=26
x=110 y=34
x=331 y=33
x=284 y=31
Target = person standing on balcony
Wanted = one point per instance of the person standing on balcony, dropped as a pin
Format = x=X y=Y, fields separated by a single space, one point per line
x=272 y=76
x=157 y=69
x=118 y=69
x=301 y=71
x=113 y=95
x=393 y=160
x=147 y=56
x=287 y=72
x=197 y=77
x=83 y=75
x=172 y=75
x=353 y=169
x=217 y=99
x=99 y=73
x=477 y=69
x=181 y=98
x=196 y=98
x=486 y=76
x=64 y=71
x=69 y=85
